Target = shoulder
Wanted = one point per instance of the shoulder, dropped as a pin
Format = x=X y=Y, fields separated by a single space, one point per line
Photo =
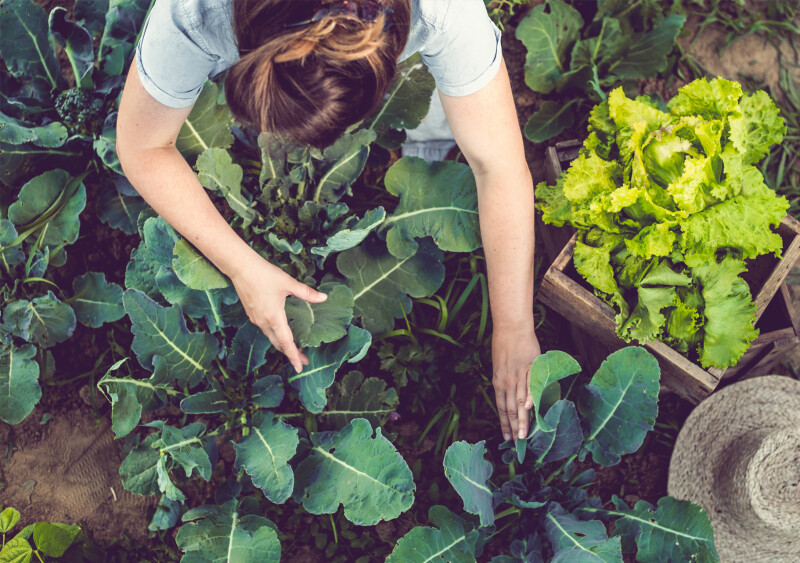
x=207 y=22
x=430 y=13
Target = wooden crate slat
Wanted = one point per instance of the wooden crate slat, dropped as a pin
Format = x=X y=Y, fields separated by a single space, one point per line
x=788 y=229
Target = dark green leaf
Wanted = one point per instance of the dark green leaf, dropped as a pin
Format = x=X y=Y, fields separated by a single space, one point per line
x=355 y=397
x=450 y=541
x=468 y=472
x=265 y=456
x=549 y=120
x=19 y=388
x=96 y=301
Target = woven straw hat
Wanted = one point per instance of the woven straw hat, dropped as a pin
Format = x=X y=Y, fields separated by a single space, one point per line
x=738 y=456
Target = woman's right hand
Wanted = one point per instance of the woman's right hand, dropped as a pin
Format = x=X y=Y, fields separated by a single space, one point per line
x=263 y=289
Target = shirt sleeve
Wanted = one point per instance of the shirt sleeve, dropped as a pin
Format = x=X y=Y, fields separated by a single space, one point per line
x=465 y=54
x=172 y=63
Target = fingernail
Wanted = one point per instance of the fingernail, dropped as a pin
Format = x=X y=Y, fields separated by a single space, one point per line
x=528 y=405
x=507 y=437
x=298 y=368
x=521 y=435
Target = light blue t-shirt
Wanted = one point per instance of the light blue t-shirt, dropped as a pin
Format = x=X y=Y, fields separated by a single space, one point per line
x=184 y=42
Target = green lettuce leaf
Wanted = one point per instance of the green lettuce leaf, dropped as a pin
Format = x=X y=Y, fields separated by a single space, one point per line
x=758 y=128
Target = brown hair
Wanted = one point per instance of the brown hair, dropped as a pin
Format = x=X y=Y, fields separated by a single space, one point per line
x=310 y=82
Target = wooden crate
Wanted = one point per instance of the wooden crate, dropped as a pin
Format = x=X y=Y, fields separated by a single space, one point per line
x=593 y=328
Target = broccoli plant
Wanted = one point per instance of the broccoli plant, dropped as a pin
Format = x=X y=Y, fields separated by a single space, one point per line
x=555 y=517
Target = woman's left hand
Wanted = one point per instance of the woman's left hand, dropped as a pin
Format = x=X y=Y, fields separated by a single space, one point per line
x=513 y=352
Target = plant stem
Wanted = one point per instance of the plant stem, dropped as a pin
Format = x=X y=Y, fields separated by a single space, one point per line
x=558 y=471
x=507 y=512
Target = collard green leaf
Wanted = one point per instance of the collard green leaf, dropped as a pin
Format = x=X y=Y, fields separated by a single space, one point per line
x=324 y=361
x=619 y=406
x=548 y=31
x=185 y=447
x=130 y=396
x=345 y=161
x=167 y=514
x=155 y=251
x=407 y=102
x=19 y=386
x=208 y=125
x=268 y=392
x=363 y=473
x=76 y=42
x=217 y=171
x=53 y=539
x=468 y=472
x=96 y=301
x=677 y=530
x=161 y=331
x=647 y=52
x=352 y=236
x=227 y=533
x=265 y=456
x=564 y=440
x=355 y=397
x=219 y=307
x=26 y=49
x=547 y=369
x=578 y=541
x=118 y=210
x=382 y=283
x=205 y=402
x=16 y=132
x=729 y=312
x=44 y=320
x=248 y=350
x=549 y=120
x=194 y=270
x=91 y=14
x=451 y=540
x=315 y=323
x=123 y=21
x=439 y=200
x=52 y=195
x=138 y=470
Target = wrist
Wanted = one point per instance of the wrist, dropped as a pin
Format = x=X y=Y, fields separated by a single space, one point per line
x=513 y=327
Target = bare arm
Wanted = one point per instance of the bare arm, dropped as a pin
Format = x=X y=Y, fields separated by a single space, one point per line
x=487 y=131
x=146 y=135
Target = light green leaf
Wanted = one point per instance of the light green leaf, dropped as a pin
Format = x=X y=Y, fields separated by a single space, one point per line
x=19 y=388
x=355 y=397
x=265 y=456
x=96 y=301
x=549 y=120
x=363 y=473
x=217 y=171
x=646 y=320
x=382 y=283
x=26 y=49
x=677 y=530
x=324 y=362
x=345 y=161
x=44 y=320
x=548 y=31
x=53 y=196
x=437 y=200
x=547 y=369
x=76 y=42
x=161 y=331
x=208 y=125
x=53 y=539
x=315 y=323
x=578 y=541
x=450 y=541
x=759 y=127
x=468 y=472
x=8 y=519
x=16 y=550
x=194 y=270
x=709 y=99
x=407 y=102
x=347 y=238
x=619 y=406
x=729 y=312
x=248 y=350
x=594 y=264
x=139 y=471
x=227 y=533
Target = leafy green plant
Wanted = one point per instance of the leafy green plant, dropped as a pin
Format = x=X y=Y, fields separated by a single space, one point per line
x=555 y=517
x=42 y=539
x=669 y=205
x=624 y=42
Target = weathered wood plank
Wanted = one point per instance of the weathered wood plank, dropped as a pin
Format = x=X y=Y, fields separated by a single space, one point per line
x=789 y=229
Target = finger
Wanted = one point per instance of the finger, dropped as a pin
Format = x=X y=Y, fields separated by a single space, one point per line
x=304 y=359
x=528 y=396
x=270 y=336
x=286 y=343
x=523 y=415
x=502 y=412
x=302 y=291
x=511 y=410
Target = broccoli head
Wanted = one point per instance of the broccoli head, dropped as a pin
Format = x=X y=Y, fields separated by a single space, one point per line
x=81 y=111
